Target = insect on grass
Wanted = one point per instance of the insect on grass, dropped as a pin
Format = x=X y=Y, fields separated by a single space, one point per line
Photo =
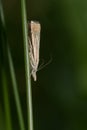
x=34 y=29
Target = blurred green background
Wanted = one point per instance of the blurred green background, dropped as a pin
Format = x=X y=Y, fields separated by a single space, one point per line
x=60 y=93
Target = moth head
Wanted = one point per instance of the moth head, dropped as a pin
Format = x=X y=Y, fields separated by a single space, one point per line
x=35 y=27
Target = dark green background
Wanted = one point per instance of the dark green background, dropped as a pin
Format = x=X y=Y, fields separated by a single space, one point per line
x=60 y=93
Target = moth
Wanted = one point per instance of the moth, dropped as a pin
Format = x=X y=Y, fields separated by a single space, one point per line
x=34 y=29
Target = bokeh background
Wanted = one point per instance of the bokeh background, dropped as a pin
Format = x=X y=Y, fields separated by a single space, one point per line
x=60 y=93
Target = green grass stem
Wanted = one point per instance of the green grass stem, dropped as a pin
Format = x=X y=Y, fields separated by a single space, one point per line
x=13 y=77
x=27 y=66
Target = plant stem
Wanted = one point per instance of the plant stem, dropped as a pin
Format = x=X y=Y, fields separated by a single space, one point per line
x=3 y=71
x=6 y=100
x=15 y=90
x=27 y=66
x=13 y=77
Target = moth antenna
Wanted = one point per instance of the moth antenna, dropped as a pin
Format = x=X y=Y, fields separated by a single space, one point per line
x=41 y=63
x=41 y=67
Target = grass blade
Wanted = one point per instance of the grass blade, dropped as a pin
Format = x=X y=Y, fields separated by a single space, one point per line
x=13 y=77
x=15 y=90
x=27 y=66
x=3 y=71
